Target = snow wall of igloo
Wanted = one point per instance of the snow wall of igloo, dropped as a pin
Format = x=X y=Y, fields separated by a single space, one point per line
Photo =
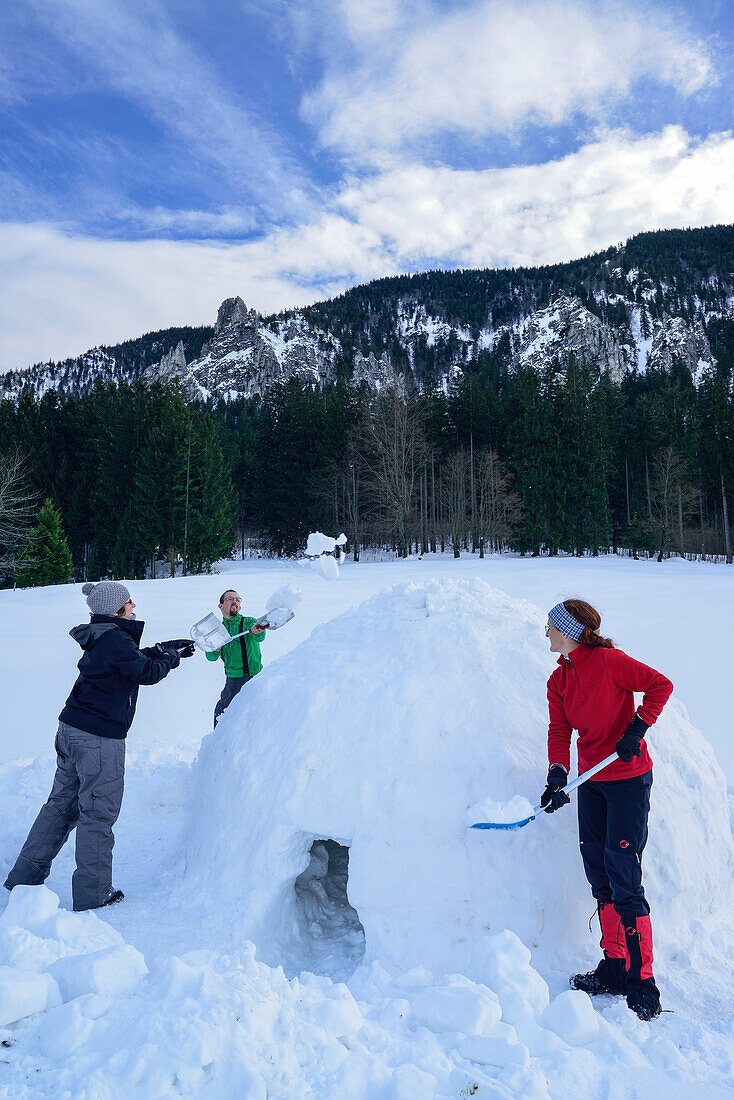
x=376 y=733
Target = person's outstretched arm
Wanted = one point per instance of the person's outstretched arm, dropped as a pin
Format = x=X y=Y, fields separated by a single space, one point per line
x=137 y=666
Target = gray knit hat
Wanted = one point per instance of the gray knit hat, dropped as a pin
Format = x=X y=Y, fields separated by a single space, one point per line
x=106 y=598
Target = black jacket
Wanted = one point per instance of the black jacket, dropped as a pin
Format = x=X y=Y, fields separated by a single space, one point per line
x=112 y=668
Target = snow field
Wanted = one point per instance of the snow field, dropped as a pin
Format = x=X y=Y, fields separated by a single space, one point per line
x=377 y=731
x=223 y=1025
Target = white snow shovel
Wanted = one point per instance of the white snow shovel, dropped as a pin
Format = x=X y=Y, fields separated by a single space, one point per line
x=541 y=809
x=210 y=633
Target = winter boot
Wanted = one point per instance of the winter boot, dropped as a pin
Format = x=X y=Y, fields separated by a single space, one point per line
x=643 y=996
x=610 y=975
x=114 y=897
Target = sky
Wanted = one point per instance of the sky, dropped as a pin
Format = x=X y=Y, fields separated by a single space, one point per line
x=157 y=156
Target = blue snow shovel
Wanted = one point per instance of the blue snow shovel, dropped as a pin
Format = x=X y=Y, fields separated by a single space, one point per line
x=541 y=809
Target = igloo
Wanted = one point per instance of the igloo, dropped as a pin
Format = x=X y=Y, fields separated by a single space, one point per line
x=326 y=816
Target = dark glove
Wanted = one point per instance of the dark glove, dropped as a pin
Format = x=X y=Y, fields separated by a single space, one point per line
x=167 y=650
x=629 y=743
x=183 y=646
x=553 y=797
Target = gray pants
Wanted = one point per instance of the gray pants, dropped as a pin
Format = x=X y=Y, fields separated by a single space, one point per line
x=232 y=686
x=86 y=794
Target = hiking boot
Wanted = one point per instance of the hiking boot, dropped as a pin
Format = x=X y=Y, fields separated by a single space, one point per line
x=610 y=976
x=643 y=997
x=115 y=896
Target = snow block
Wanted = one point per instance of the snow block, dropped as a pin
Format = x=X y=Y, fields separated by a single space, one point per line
x=339 y=1014
x=64 y=1030
x=504 y=962
x=501 y=1048
x=29 y=907
x=23 y=993
x=572 y=1017
x=459 y=1006
x=35 y=932
x=113 y=972
x=411 y=1083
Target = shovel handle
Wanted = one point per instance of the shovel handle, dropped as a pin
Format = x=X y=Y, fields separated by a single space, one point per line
x=582 y=778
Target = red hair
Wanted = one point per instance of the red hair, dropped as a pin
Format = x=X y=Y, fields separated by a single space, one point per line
x=590 y=618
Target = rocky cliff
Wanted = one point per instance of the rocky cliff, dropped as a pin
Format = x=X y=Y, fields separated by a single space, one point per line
x=650 y=303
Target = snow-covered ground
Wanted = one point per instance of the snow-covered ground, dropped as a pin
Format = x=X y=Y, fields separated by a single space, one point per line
x=237 y=966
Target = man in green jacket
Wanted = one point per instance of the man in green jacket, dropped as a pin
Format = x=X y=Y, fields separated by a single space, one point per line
x=241 y=657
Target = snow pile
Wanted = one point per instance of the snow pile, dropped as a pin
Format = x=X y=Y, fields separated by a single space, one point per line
x=376 y=734
x=49 y=956
x=500 y=813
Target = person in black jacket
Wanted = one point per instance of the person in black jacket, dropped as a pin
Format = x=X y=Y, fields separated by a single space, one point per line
x=90 y=746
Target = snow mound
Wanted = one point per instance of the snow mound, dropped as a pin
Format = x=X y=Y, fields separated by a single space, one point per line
x=376 y=733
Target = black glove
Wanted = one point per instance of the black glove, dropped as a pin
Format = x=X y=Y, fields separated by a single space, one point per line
x=629 y=743
x=167 y=650
x=183 y=646
x=553 y=797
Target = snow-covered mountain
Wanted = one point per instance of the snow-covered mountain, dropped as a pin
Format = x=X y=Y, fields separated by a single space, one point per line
x=650 y=302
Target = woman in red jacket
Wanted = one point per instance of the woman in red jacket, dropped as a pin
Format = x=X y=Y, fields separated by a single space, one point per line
x=592 y=691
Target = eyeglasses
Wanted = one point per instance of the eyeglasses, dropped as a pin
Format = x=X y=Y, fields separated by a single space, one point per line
x=231 y=599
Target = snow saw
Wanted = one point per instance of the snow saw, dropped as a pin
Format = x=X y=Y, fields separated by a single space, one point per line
x=540 y=809
x=210 y=633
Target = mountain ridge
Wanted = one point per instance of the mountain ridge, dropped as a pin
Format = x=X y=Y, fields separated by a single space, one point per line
x=647 y=302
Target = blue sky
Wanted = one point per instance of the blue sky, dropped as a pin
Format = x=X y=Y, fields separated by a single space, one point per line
x=157 y=157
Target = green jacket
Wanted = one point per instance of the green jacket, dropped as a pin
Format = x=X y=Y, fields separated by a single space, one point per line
x=231 y=653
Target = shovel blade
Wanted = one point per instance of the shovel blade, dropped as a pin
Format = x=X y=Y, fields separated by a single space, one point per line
x=209 y=634
x=275 y=618
x=503 y=824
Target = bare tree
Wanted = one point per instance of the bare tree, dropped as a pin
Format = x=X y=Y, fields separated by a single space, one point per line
x=453 y=497
x=392 y=450
x=498 y=508
x=672 y=498
x=18 y=506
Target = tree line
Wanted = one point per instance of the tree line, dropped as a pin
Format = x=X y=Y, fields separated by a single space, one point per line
x=551 y=461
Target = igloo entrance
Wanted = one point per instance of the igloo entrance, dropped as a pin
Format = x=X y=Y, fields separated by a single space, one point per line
x=331 y=933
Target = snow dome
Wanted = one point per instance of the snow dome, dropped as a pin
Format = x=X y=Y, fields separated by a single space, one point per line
x=327 y=808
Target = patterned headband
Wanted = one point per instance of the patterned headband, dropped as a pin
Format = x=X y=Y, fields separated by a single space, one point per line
x=566 y=623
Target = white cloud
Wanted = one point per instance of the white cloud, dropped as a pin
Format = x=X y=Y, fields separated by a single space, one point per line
x=139 y=53
x=491 y=67
x=610 y=189
x=60 y=295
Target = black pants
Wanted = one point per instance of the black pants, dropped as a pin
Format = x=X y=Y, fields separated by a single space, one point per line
x=612 y=835
x=232 y=686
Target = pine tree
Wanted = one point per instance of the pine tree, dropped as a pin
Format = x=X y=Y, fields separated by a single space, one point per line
x=210 y=506
x=46 y=557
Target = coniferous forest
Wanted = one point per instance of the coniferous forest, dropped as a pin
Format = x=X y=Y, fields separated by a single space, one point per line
x=561 y=461
x=459 y=453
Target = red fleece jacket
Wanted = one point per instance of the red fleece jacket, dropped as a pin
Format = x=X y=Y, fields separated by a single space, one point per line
x=592 y=691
